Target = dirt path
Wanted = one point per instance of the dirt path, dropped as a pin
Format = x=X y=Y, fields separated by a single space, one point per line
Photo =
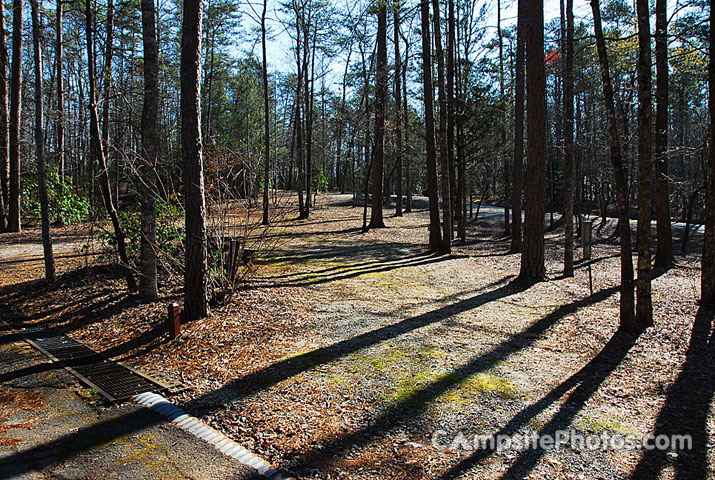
x=408 y=345
x=21 y=254
x=359 y=356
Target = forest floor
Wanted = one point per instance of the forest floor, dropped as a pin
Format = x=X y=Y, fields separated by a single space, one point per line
x=351 y=355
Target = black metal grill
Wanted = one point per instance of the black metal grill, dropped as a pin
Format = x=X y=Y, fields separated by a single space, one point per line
x=113 y=381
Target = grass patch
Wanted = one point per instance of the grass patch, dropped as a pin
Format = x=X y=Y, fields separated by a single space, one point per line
x=144 y=453
x=600 y=425
x=311 y=277
x=483 y=383
x=409 y=388
x=374 y=275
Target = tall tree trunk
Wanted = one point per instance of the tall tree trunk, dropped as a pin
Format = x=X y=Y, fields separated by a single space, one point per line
x=568 y=143
x=406 y=121
x=644 y=305
x=211 y=42
x=627 y=303
x=532 y=257
x=519 y=80
x=707 y=281
x=60 y=125
x=664 y=243
x=435 y=237
x=195 y=269
x=341 y=162
x=266 y=118
x=458 y=190
x=502 y=123
x=40 y=147
x=4 y=172
x=367 y=154
x=300 y=160
x=13 y=209
x=298 y=121
x=291 y=151
x=376 y=220
x=443 y=151
x=107 y=78
x=148 y=281
x=398 y=110
x=308 y=112
x=98 y=150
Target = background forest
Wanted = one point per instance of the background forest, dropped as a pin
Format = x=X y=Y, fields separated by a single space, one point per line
x=378 y=217
x=329 y=107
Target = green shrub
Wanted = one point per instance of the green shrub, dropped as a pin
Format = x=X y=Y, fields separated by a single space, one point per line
x=66 y=206
x=169 y=235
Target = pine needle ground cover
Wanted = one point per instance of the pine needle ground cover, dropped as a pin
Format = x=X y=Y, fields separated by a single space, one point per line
x=351 y=355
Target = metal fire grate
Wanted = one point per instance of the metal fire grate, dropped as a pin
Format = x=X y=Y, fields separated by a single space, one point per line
x=113 y=381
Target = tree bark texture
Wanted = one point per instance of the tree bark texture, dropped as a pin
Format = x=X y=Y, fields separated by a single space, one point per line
x=708 y=261
x=532 y=257
x=435 y=236
x=148 y=287
x=266 y=118
x=376 y=218
x=101 y=159
x=60 y=126
x=502 y=125
x=627 y=303
x=443 y=150
x=195 y=269
x=13 y=214
x=398 y=112
x=644 y=305
x=568 y=143
x=519 y=81
x=4 y=151
x=40 y=147
x=664 y=235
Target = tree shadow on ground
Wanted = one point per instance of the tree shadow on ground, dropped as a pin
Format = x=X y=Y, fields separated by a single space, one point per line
x=685 y=411
x=89 y=306
x=290 y=367
x=305 y=222
x=416 y=403
x=269 y=376
x=357 y=270
x=56 y=257
x=308 y=234
x=85 y=276
x=353 y=261
x=399 y=413
x=582 y=385
x=95 y=311
x=342 y=264
x=350 y=251
x=146 y=342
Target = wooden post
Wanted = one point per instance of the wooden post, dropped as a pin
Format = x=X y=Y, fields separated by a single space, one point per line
x=174 y=320
x=586 y=238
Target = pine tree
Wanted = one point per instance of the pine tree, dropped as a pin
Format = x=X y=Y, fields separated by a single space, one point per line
x=532 y=257
x=644 y=305
x=435 y=237
x=195 y=268
x=40 y=146
x=627 y=302
x=147 y=281
x=708 y=260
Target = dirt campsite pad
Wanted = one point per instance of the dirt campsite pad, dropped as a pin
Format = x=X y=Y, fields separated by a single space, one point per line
x=354 y=355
